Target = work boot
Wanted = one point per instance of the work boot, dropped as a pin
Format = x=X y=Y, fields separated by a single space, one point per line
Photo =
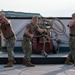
x=28 y=64
x=9 y=64
x=68 y=62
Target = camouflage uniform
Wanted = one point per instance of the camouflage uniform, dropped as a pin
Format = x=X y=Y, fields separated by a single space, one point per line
x=10 y=43
x=10 y=39
x=9 y=35
x=27 y=48
x=71 y=55
x=26 y=43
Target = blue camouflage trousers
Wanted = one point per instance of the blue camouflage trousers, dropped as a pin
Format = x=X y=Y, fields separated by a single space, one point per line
x=71 y=55
x=27 y=48
x=10 y=43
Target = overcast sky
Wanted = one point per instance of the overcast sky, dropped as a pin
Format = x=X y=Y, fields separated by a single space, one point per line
x=46 y=8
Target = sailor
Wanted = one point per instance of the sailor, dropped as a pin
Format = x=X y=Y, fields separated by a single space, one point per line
x=27 y=37
x=10 y=38
x=71 y=56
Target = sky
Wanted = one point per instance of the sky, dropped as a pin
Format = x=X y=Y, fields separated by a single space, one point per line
x=46 y=8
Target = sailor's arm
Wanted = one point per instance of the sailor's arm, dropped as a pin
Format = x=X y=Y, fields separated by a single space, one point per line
x=71 y=23
x=6 y=20
x=28 y=34
x=41 y=30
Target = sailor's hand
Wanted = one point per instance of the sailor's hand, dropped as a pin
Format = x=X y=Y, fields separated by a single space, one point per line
x=45 y=31
x=71 y=23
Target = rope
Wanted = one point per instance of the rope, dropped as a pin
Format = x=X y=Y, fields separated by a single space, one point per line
x=63 y=30
x=48 y=25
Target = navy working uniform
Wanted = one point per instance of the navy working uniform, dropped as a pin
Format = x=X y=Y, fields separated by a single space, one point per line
x=27 y=45
x=10 y=38
x=71 y=56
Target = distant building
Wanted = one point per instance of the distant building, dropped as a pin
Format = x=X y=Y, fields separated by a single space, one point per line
x=20 y=14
